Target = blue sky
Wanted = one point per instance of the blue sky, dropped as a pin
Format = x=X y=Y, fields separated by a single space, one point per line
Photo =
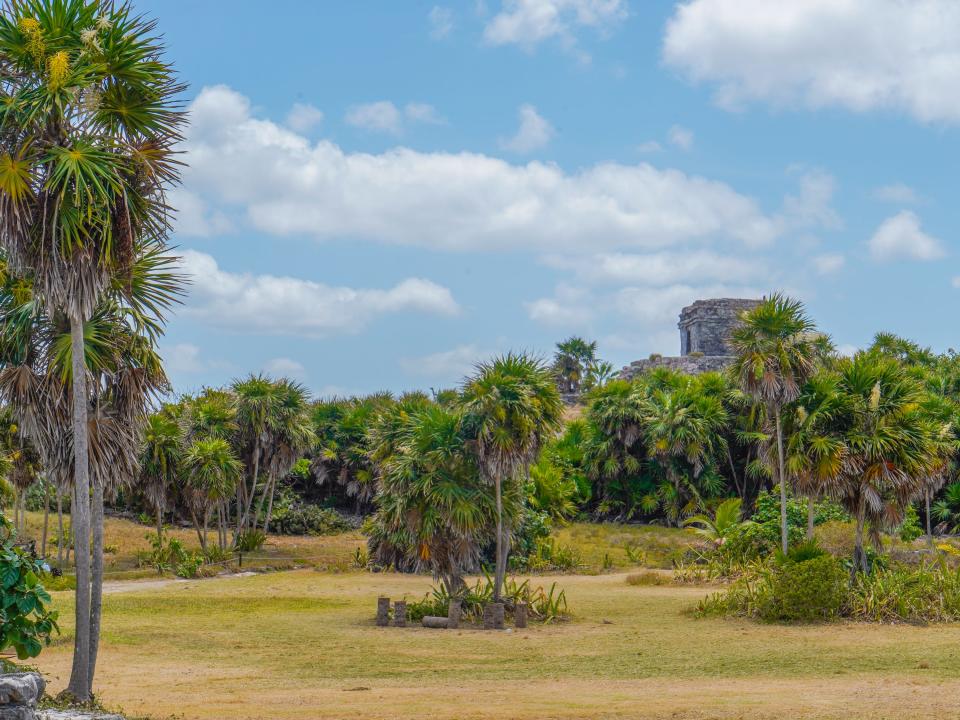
x=380 y=193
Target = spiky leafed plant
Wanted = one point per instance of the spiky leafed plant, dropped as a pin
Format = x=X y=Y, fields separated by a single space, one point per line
x=570 y=362
x=289 y=434
x=160 y=461
x=511 y=407
x=211 y=472
x=891 y=446
x=684 y=429
x=88 y=122
x=716 y=529
x=776 y=350
x=434 y=510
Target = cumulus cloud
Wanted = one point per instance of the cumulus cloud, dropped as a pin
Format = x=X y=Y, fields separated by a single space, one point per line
x=897 y=193
x=303 y=117
x=278 y=305
x=283 y=184
x=441 y=22
x=527 y=23
x=660 y=306
x=285 y=367
x=681 y=137
x=658 y=269
x=383 y=116
x=856 y=54
x=182 y=358
x=194 y=217
x=447 y=365
x=570 y=307
x=534 y=132
x=901 y=238
x=828 y=263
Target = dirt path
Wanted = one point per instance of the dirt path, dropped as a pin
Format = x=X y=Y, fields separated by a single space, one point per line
x=113 y=587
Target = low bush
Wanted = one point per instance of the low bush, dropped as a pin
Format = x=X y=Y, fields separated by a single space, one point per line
x=306 y=519
x=26 y=620
x=547 y=556
x=649 y=577
x=250 y=541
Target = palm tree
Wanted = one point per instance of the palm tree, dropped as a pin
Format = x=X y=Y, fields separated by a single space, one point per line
x=683 y=429
x=511 y=407
x=211 y=471
x=890 y=445
x=160 y=461
x=776 y=351
x=433 y=509
x=716 y=529
x=571 y=360
x=255 y=400
x=88 y=121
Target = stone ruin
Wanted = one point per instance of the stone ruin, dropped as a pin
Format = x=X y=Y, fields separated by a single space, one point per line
x=20 y=692
x=705 y=328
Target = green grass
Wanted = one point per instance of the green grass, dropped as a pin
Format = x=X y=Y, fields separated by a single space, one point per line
x=300 y=644
x=606 y=545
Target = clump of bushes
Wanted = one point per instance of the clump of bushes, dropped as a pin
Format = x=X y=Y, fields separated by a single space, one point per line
x=547 y=556
x=648 y=577
x=305 y=519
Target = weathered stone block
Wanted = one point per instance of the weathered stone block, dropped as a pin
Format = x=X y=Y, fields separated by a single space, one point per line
x=493 y=616
x=520 y=616
x=21 y=688
x=453 y=614
x=383 y=611
x=400 y=613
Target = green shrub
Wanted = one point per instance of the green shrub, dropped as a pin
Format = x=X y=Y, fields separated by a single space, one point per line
x=190 y=566
x=26 y=620
x=250 y=540
x=928 y=593
x=547 y=556
x=305 y=519
x=544 y=605
x=648 y=577
x=910 y=529
x=766 y=515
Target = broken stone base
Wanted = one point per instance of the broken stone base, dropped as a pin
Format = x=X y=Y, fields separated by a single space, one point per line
x=73 y=715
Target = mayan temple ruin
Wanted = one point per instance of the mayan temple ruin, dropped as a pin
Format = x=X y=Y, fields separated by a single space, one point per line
x=705 y=328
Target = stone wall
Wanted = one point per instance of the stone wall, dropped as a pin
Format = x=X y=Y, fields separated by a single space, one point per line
x=689 y=364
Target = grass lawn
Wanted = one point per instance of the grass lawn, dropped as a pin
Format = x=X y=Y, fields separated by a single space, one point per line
x=302 y=644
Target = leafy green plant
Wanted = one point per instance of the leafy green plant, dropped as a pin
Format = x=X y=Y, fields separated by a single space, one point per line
x=250 y=540
x=26 y=620
x=190 y=566
x=910 y=529
x=361 y=558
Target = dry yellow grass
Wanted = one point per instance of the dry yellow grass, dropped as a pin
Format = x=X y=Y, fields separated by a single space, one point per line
x=302 y=644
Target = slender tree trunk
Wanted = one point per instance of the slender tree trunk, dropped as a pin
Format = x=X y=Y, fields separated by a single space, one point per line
x=60 y=537
x=782 y=477
x=46 y=520
x=159 y=526
x=79 y=685
x=733 y=474
x=926 y=508
x=266 y=520
x=96 y=585
x=206 y=525
x=499 y=570
x=200 y=531
x=859 y=555
x=811 y=516
x=253 y=490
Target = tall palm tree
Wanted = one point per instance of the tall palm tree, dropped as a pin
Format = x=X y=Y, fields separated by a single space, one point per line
x=511 y=407
x=776 y=351
x=88 y=122
x=255 y=401
x=571 y=360
x=160 y=462
x=891 y=446
x=212 y=471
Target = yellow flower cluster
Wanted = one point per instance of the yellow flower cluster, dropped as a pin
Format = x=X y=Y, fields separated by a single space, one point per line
x=58 y=66
x=35 y=44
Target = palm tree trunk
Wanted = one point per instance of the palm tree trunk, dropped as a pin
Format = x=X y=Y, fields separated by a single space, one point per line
x=46 y=520
x=782 y=477
x=499 y=569
x=253 y=490
x=159 y=526
x=266 y=520
x=811 y=516
x=200 y=531
x=79 y=685
x=926 y=503
x=96 y=585
x=859 y=555
x=59 y=528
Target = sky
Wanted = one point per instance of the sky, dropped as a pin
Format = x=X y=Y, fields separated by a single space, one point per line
x=379 y=194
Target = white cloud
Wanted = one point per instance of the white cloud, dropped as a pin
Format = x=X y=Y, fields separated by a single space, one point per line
x=441 y=22
x=900 y=237
x=570 y=307
x=194 y=217
x=422 y=112
x=182 y=358
x=275 y=305
x=856 y=54
x=812 y=206
x=828 y=263
x=657 y=269
x=285 y=367
x=847 y=350
x=384 y=116
x=529 y=22
x=534 y=132
x=281 y=183
x=303 y=117
x=681 y=137
x=897 y=193
x=650 y=146
x=660 y=306
x=381 y=116
x=447 y=365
